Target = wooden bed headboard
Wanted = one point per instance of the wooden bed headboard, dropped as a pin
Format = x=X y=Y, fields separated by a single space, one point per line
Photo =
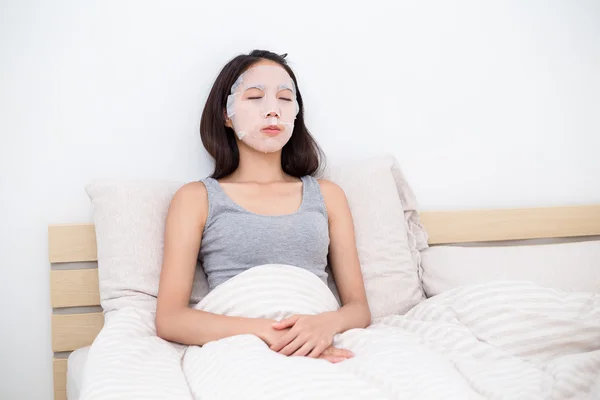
x=78 y=287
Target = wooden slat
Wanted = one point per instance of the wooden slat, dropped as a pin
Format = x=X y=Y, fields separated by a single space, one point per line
x=60 y=378
x=72 y=331
x=74 y=287
x=72 y=243
x=511 y=224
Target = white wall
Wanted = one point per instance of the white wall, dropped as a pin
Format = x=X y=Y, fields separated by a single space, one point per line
x=485 y=105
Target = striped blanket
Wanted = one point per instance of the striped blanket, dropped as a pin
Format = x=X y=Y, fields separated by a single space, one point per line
x=505 y=340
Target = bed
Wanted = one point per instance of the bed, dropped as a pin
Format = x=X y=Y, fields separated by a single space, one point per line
x=77 y=318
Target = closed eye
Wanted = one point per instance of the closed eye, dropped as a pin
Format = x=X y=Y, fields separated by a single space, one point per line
x=255 y=98
x=285 y=99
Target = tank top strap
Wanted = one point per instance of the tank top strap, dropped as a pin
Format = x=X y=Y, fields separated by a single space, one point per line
x=214 y=194
x=217 y=199
x=313 y=198
x=210 y=185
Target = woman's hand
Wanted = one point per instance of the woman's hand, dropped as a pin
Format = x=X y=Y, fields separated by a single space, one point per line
x=268 y=334
x=308 y=335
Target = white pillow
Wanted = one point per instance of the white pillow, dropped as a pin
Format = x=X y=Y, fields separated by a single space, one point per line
x=389 y=267
x=130 y=217
x=565 y=266
x=130 y=222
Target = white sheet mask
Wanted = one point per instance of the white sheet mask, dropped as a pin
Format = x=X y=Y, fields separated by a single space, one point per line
x=263 y=96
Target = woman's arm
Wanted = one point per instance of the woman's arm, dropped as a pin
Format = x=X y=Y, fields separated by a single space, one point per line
x=343 y=257
x=310 y=335
x=175 y=320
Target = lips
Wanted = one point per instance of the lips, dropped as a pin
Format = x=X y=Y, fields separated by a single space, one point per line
x=271 y=130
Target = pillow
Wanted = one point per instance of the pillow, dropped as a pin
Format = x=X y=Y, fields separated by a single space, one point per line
x=564 y=266
x=388 y=261
x=130 y=217
x=130 y=220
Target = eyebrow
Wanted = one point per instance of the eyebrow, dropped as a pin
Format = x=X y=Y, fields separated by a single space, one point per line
x=257 y=86
x=280 y=87
x=285 y=87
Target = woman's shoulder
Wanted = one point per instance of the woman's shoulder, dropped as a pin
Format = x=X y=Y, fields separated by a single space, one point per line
x=191 y=199
x=330 y=189
x=192 y=190
x=333 y=196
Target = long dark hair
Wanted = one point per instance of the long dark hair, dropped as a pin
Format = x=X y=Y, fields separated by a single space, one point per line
x=300 y=156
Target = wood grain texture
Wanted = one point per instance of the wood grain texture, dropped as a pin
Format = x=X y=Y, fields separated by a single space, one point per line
x=74 y=287
x=77 y=242
x=60 y=378
x=72 y=243
x=72 y=331
x=445 y=227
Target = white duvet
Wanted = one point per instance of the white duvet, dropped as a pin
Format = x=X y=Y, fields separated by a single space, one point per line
x=506 y=340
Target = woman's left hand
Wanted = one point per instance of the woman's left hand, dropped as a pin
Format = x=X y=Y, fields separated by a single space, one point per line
x=309 y=335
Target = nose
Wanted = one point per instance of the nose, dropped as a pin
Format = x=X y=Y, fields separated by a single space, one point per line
x=270 y=108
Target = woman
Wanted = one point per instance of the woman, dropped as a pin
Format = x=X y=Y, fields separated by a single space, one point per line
x=261 y=205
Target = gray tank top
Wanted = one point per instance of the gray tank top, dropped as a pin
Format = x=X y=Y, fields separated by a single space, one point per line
x=236 y=239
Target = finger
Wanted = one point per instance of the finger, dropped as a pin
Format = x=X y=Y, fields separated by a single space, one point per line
x=318 y=350
x=336 y=352
x=304 y=350
x=286 y=323
x=333 y=359
x=328 y=351
x=292 y=347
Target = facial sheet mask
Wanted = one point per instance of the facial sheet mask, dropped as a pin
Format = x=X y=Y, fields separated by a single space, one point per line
x=262 y=107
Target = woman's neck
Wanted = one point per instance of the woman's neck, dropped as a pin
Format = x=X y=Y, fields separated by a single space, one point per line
x=258 y=167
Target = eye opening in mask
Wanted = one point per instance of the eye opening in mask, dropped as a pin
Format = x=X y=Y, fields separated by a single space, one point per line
x=285 y=94
x=254 y=93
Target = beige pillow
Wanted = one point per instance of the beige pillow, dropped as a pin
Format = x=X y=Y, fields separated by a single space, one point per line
x=563 y=266
x=130 y=221
x=386 y=249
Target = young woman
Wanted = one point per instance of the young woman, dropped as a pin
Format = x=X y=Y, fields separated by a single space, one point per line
x=261 y=205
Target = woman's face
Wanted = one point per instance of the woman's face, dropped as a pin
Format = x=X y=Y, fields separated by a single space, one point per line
x=262 y=107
